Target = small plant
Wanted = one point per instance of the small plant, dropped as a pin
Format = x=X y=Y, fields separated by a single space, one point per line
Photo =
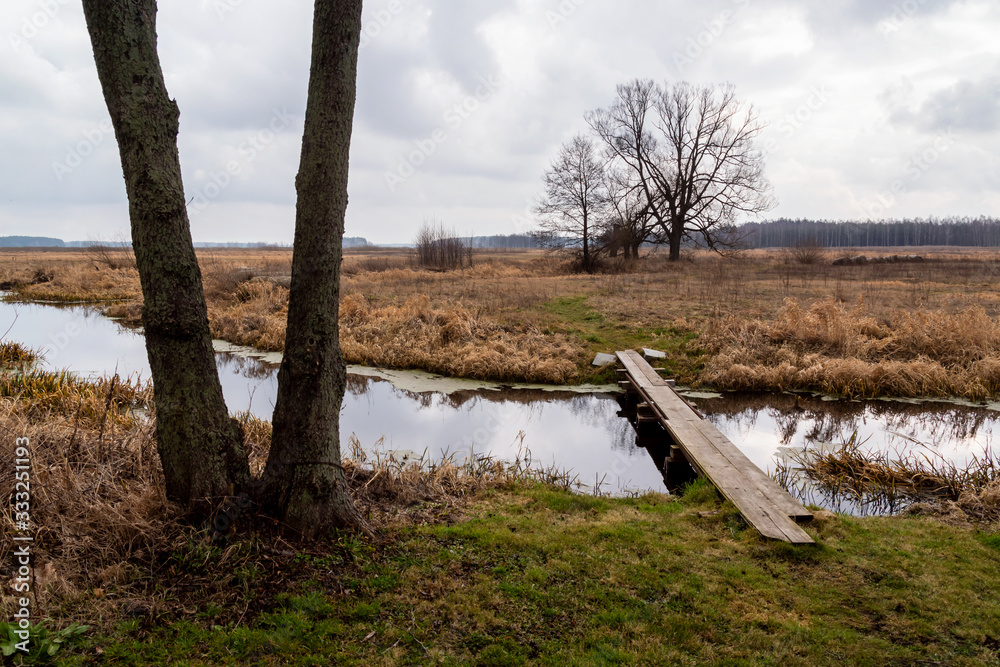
x=114 y=254
x=807 y=252
x=43 y=643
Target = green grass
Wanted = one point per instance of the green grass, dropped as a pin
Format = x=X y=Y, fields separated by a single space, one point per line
x=576 y=317
x=538 y=576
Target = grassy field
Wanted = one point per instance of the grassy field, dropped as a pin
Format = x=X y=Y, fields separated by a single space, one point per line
x=759 y=321
x=492 y=565
x=533 y=575
x=488 y=564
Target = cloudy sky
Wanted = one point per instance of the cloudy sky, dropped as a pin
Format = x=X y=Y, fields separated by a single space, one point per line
x=876 y=108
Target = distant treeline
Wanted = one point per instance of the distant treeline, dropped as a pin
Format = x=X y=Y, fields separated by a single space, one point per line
x=786 y=233
x=30 y=242
x=506 y=241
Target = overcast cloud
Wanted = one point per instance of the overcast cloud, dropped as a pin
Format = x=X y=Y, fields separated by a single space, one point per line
x=876 y=108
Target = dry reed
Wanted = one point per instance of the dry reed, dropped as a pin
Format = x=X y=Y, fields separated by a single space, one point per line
x=108 y=543
x=925 y=329
x=82 y=282
x=452 y=342
x=894 y=479
x=840 y=350
x=15 y=355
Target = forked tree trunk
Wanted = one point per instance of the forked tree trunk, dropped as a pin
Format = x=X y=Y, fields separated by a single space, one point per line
x=200 y=446
x=303 y=483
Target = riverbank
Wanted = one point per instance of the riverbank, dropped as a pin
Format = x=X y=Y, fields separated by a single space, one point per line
x=761 y=321
x=488 y=565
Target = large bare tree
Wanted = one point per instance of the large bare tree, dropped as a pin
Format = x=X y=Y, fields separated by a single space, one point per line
x=693 y=153
x=575 y=199
x=200 y=445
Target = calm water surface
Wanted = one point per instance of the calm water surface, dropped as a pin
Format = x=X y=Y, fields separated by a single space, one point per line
x=583 y=433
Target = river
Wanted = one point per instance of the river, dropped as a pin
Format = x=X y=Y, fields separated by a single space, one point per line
x=579 y=430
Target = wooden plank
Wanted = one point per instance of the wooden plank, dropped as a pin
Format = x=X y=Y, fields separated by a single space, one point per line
x=759 y=512
x=767 y=486
x=639 y=370
x=752 y=476
x=759 y=499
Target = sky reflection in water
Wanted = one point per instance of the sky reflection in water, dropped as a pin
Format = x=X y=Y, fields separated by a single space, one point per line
x=582 y=433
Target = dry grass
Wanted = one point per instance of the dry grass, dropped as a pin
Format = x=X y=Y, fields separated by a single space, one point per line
x=106 y=538
x=846 y=351
x=97 y=507
x=387 y=486
x=253 y=315
x=15 y=355
x=760 y=320
x=452 y=342
x=70 y=276
x=873 y=477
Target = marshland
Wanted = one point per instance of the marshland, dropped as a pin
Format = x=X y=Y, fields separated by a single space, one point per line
x=493 y=557
x=758 y=320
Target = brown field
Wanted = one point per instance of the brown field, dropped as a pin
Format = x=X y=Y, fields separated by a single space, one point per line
x=761 y=320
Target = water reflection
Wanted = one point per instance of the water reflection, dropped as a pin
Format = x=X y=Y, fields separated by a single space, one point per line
x=576 y=432
x=777 y=430
x=579 y=433
x=768 y=424
x=582 y=433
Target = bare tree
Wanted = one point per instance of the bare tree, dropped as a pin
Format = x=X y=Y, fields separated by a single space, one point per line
x=437 y=247
x=115 y=253
x=575 y=199
x=200 y=446
x=692 y=152
x=630 y=223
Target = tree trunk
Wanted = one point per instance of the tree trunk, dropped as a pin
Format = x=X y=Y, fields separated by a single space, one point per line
x=200 y=446
x=676 y=236
x=303 y=483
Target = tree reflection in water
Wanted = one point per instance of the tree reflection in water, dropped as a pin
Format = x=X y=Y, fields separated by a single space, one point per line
x=591 y=434
x=801 y=425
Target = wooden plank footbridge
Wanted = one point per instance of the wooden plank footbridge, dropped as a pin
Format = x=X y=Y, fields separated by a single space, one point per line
x=764 y=505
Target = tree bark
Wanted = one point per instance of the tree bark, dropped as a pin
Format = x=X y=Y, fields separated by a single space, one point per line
x=200 y=446
x=303 y=483
x=676 y=236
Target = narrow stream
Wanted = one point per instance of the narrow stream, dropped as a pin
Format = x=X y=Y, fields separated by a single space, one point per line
x=579 y=430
